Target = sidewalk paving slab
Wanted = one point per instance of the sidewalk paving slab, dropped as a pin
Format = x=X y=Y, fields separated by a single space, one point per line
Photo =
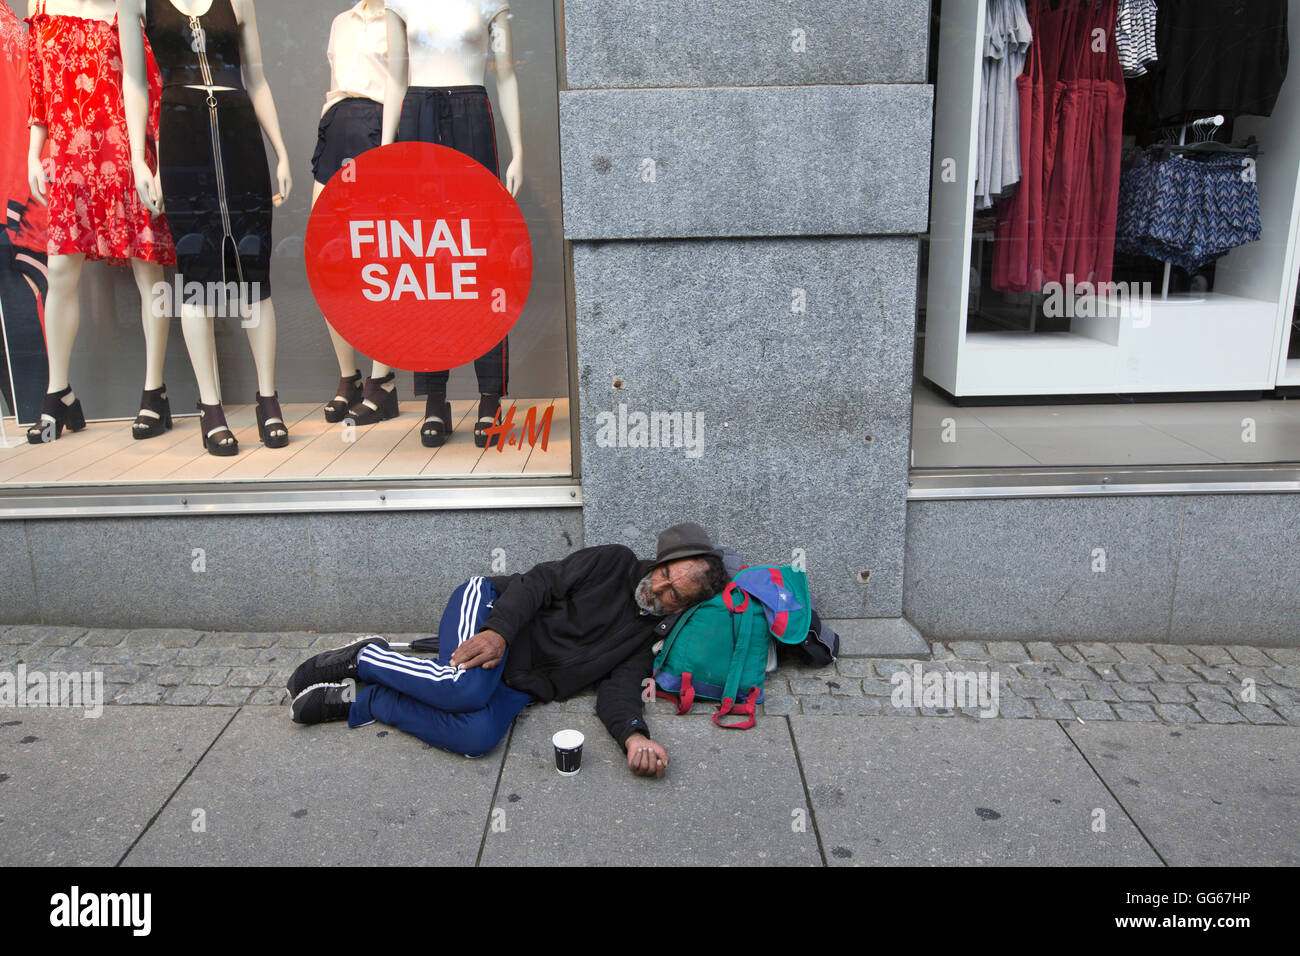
x=1204 y=794
x=76 y=791
x=278 y=793
x=915 y=791
x=729 y=798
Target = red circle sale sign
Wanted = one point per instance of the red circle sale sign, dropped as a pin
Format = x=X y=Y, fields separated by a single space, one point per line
x=419 y=257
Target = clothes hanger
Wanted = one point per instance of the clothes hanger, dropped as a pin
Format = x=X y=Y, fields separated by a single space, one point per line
x=1174 y=139
x=1207 y=147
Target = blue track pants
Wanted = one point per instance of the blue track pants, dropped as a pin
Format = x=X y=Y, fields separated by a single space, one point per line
x=465 y=711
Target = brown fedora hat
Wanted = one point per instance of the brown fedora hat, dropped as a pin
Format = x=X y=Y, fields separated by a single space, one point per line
x=685 y=540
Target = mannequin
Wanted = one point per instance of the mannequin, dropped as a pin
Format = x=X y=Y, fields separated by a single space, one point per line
x=212 y=177
x=351 y=123
x=88 y=187
x=438 y=53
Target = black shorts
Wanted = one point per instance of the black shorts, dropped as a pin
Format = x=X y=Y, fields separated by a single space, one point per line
x=348 y=129
x=456 y=116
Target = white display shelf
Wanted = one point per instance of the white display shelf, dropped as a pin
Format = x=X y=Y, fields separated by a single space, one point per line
x=1027 y=342
x=1290 y=373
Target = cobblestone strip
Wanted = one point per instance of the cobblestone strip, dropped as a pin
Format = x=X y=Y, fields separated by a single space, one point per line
x=1035 y=680
x=172 y=666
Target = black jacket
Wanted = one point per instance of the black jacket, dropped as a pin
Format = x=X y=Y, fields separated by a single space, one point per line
x=573 y=622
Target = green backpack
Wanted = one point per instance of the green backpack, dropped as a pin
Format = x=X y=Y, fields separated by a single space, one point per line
x=718 y=648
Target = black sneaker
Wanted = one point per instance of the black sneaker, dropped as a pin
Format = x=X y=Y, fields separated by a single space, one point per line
x=321 y=703
x=330 y=667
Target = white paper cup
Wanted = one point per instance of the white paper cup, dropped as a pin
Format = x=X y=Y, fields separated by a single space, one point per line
x=568 y=752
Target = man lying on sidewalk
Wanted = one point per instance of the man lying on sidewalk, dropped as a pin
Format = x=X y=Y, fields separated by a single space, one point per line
x=505 y=642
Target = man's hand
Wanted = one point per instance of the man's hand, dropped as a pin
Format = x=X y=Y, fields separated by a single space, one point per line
x=645 y=758
x=484 y=649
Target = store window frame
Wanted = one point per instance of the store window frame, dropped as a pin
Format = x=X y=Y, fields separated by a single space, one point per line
x=256 y=496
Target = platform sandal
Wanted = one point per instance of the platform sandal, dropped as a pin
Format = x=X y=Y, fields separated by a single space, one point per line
x=149 y=426
x=489 y=414
x=217 y=437
x=377 y=403
x=56 y=413
x=349 y=394
x=437 y=422
x=270 y=421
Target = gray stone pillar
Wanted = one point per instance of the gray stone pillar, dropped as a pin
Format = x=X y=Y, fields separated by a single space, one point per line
x=744 y=185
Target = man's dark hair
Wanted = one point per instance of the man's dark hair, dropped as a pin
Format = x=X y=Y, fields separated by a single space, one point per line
x=715 y=578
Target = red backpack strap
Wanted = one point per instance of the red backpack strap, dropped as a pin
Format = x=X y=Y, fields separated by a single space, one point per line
x=687 y=694
x=685 y=699
x=729 y=601
x=728 y=707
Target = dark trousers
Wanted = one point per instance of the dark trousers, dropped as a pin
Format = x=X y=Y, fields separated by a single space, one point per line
x=464 y=711
x=459 y=117
x=24 y=339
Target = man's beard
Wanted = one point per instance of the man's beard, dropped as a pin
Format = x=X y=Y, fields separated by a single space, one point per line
x=646 y=599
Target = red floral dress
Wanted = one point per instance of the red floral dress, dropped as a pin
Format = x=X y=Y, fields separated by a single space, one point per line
x=76 y=93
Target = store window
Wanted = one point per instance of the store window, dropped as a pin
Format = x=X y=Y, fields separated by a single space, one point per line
x=479 y=78
x=1112 y=263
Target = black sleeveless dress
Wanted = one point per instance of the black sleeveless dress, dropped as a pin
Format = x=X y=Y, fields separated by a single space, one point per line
x=212 y=162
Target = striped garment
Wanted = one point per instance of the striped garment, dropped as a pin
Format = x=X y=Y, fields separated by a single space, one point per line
x=1135 y=35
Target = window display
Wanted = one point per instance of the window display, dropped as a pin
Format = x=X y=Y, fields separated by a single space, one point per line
x=1141 y=243
x=177 y=131
x=1125 y=181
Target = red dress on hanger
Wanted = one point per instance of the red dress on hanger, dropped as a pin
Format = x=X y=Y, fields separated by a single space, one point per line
x=75 y=67
x=1061 y=222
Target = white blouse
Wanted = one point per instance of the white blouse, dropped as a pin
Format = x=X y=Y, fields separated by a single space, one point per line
x=358 y=55
x=448 y=39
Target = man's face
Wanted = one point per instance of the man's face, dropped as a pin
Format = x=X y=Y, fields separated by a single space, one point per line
x=671 y=587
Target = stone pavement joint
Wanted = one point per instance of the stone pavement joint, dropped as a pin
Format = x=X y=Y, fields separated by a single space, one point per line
x=1037 y=680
